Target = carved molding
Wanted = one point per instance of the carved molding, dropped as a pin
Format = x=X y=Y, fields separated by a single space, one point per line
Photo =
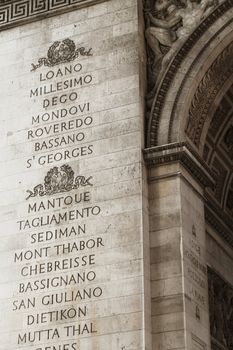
x=167 y=25
x=214 y=79
x=221 y=311
x=218 y=154
x=220 y=222
x=183 y=153
x=17 y=12
x=169 y=75
x=199 y=170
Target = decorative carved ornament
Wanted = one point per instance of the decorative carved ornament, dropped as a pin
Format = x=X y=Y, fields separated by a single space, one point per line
x=58 y=181
x=219 y=220
x=168 y=23
x=162 y=87
x=219 y=72
x=183 y=153
x=61 y=52
x=16 y=12
x=221 y=311
x=218 y=155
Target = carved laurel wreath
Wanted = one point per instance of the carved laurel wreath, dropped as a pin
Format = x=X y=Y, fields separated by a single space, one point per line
x=61 y=52
x=59 y=180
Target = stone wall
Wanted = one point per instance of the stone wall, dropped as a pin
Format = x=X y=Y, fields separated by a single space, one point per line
x=73 y=214
x=104 y=246
x=179 y=288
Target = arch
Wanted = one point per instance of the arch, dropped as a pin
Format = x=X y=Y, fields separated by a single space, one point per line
x=201 y=70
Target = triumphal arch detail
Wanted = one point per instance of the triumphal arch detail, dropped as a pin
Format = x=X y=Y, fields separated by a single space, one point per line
x=189 y=152
x=116 y=226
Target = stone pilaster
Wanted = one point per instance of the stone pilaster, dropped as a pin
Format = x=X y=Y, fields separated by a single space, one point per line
x=179 y=288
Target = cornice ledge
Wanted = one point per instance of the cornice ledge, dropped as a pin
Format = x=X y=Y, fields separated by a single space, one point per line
x=183 y=153
x=14 y=13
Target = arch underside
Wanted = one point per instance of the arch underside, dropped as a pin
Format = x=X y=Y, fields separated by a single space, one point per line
x=193 y=103
x=194 y=81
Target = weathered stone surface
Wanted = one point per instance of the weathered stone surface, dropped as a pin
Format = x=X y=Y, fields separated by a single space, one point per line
x=98 y=248
x=73 y=232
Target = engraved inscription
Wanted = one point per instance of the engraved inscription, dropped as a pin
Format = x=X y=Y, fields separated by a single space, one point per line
x=57 y=270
